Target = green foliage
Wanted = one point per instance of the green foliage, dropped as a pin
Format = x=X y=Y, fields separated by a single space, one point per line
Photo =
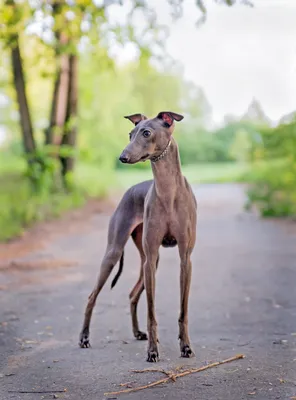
x=22 y=204
x=241 y=146
x=229 y=143
x=196 y=173
x=106 y=92
x=273 y=174
x=201 y=146
x=106 y=95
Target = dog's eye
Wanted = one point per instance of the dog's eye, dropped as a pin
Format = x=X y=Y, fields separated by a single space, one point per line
x=146 y=134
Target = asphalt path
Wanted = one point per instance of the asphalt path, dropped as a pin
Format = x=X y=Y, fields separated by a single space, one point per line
x=242 y=300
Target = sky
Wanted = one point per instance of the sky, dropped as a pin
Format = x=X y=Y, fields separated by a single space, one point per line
x=240 y=53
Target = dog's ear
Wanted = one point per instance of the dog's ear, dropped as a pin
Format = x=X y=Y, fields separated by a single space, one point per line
x=136 y=118
x=168 y=117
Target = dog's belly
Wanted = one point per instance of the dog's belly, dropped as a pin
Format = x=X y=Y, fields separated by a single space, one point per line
x=169 y=241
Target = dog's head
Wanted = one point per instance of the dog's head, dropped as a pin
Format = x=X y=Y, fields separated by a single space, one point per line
x=150 y=137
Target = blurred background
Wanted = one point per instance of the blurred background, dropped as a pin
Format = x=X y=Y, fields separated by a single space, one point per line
x=70 y=70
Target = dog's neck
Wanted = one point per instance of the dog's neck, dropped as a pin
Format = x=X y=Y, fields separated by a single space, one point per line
x=167 y=172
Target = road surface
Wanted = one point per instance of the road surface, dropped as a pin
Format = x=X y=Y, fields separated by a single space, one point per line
x=243 y=300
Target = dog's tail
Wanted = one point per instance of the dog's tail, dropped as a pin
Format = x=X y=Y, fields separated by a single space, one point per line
x=115 y=279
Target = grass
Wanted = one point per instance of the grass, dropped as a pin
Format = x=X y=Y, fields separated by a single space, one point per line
x=10 y=163
x=20 y=207
x=93 y=180
x=198 y=173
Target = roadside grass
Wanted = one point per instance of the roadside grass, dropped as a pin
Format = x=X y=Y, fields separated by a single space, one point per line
x=197 y=173
x=20 y=207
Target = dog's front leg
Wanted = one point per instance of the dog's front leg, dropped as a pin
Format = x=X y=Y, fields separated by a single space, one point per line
x=185 y=280
x=152 y=238
x=149 y=281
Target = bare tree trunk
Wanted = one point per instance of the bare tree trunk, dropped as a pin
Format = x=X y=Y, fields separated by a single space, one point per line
x=70 y=132
x=49 y=133
x=61 y=84
x=64 y=102
x=63 y=91
x=59 y=101
x=19 y=83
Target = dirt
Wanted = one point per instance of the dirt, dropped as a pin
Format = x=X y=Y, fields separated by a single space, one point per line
x=243 y=300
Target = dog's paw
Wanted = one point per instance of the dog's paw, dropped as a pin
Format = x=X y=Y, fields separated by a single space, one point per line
x=84 y=341
x=186 y=352
x=152 y=356
x=141 y=335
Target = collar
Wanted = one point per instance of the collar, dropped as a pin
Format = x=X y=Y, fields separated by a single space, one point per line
x=155 y=159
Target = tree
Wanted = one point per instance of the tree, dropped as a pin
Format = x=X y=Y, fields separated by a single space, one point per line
x=72 y=22
x=256 y=113
x=15 y=17
x=241 y=146
x=63 y=25
x=177 y=7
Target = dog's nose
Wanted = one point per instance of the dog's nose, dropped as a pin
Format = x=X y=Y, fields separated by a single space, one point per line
x=123 y=158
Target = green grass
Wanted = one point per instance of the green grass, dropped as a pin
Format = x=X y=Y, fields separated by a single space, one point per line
x=199 y=173
x=93 y=180
x=10 y=163
x=20 y=207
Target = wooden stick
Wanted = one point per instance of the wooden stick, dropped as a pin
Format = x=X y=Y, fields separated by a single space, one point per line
x=141 y=371
x=36 y=391
x=170 y=374
x=125 y=384
x=175 y=376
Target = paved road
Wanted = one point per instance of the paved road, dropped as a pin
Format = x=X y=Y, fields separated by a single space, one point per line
x=243 y=300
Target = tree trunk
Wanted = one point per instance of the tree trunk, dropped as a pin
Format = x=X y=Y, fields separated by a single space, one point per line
x=64 y=102
x=19 y=83
x=49 y=133
x=63 y=91
x=61 y=84
x=59 y=101
x=70 y=132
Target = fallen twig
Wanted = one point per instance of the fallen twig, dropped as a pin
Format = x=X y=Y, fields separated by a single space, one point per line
x=172 y=376
x=126 y=384
x=141 y=371
x=35 y=391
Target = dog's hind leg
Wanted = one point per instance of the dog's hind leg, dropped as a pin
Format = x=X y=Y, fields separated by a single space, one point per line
x=139 y=286
x=138 y=289
x=110 y=259
x=120 y=229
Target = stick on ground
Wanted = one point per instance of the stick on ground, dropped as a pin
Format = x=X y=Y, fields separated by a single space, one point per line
x=175 y=376
x=36 y=391
x=170 y=374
